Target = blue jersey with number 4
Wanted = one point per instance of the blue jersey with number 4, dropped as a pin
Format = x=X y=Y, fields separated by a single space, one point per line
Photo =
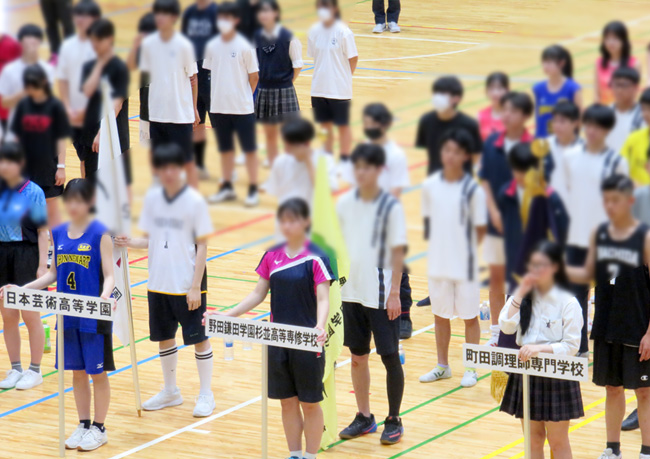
x=79 y=271
x=546 y=100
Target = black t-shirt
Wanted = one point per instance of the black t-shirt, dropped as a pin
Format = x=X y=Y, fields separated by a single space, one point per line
x=39 y=126
x=431 y=130
x=117 y=74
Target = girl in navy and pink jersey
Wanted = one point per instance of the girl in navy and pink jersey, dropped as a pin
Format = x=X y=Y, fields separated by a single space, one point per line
x=299 y=275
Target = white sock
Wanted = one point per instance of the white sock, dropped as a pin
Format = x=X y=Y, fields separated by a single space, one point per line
x=309 y=456
x=169 y=361
x=204 y=364
x=495 y=329
x=295 y=454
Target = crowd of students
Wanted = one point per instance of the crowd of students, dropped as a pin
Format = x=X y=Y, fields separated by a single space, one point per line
x=553 y=210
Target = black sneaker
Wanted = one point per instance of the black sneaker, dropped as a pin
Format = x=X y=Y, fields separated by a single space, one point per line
x=393 y=431
x=405 y=328
x=360 y=426
x=424 y=302
x=631 y=422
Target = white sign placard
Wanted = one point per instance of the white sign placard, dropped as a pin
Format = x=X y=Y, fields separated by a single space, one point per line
x=269 y=333
x=546 y=365
x=65 y=304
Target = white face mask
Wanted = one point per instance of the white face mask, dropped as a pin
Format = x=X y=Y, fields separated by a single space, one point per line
x=441 y=102
x=324 y=14
x=225 y=25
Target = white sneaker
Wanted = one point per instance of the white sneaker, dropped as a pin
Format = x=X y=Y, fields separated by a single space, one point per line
x=266 y=163
x=436 y=374
x=240 y=160
x=204 y=406
x=470 y=378
x=644 y=456
x=73 y=441
x=393 y=27
x=252 y=199
x=379 y=28
x=13 y=376
x=225 y=194
x=345 y=170
x=494 y=339
x=203 y=173
x=163 y=399
x=609 y=454
x=93 y=439
x=29 y=380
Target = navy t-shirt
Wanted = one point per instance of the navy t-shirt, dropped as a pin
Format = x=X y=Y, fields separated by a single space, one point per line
x=200 y=26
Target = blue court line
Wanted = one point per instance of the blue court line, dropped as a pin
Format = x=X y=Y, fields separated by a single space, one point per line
x=23 y=323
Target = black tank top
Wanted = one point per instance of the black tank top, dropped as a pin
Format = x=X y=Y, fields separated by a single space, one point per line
x=622 y=288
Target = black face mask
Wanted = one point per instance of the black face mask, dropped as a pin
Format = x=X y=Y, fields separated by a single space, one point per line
x=373 y=133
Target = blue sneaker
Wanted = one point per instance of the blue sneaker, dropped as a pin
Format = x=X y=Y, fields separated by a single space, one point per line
x=393 y=431
x=360 y=426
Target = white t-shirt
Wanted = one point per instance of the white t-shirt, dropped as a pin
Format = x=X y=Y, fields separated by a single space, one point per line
x=170 y=65
x=289 y=177
x=626 y=123
x=454 y=210
x=370 y=235
x=230 y=63
x=74 y=53
x=295 y=47
x=584 y=173
x=395 y=173
x=558 y=175
x=331 y=48
x=173 y=226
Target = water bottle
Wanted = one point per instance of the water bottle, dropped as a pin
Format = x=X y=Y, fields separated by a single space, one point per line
x=402 y=354
x=484 y=316
x=229 y=349
x=248 y=345
x=48 y=344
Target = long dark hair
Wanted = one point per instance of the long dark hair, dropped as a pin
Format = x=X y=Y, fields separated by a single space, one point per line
x=618 y=29
x=559 y=54
x=554 y=252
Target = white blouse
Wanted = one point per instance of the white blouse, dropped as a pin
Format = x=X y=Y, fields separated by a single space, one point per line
x=556 y=319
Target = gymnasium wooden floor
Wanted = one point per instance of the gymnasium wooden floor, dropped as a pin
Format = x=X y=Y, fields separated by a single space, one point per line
x=468 y=38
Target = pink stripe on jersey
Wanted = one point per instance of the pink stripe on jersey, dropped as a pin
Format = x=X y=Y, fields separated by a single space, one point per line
x=278 y=260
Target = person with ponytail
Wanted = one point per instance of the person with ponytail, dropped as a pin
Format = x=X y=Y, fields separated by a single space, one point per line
x=559 y=86
x=615 y=52
x=546 y=319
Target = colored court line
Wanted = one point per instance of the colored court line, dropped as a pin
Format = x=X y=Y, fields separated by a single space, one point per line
x=413 y=26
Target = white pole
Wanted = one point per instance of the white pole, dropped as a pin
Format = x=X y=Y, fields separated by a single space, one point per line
x=526 y=397
x=61 y=365
x=265 y=400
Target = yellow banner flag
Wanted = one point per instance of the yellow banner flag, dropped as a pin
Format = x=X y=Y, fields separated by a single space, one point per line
x=326 y=233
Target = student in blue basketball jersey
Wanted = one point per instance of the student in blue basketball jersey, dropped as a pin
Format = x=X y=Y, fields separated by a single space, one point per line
x=558 y=67
x=299 y=276
x=83 y=265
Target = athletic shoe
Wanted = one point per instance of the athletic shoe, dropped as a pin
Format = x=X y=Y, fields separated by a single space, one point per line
x=266 y=164
x=240 y=160
x=13 y=376
x=584 y=355
x=609 y=454
x=405 y=328
x=73 y=441
x=631 y=422
x=204 y=406
x=345 y=170
x=393 y=431
x=379 y=28
x=163 y=399
x=203 y=173
x=252 y=200
x=393 y=27
x=224 y=194
x=360 y=426
x=93 y=439
x=425 y=302
x=437 y=373
x=644 y=456
x=494 y=339
x=470 y=378
x=29 y=380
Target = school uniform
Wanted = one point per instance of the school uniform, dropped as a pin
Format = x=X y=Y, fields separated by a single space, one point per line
x=278 y=54
x=88 y=343
x=545 y=101
x=232 y=110
x=331 y=86
x=173 y=224
x=626 y=122
x=293 y=281
x=453 y=210
x=556 y=319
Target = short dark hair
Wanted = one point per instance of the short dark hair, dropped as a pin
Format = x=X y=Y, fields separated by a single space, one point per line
x=298 y=130
x=12 y=151
x=102 y=28
x=147 y=23
x=626 y=73
x=172 y=7
x=519 y=100
x=79 y=188
x=460 y=137
x=34 y=75
x=379 y=113
x=228 y=9
x=87 y=8
x=567 y=109
x=521 y=159
x=369 y=153
x=448 y=85
x=297 y=207
x=645 y=97
x=166 y=154
x=498 y=77
x=600 y=115
x=30 y=30
x=273 y=4
x=618 y=182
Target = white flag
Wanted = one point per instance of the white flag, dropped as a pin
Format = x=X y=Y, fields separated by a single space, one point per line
x=112 y=206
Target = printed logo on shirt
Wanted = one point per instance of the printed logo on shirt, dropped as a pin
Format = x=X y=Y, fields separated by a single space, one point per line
x=59 y=247
x=277 y=262
x=100 y=366
x=644 y=378
x=84 y=247
x=36 y=123
x=81 y=260
x=333 y=41
x=233 y=54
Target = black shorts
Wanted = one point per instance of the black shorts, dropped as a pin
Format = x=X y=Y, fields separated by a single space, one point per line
x=295 y=373
x=167 y=311
x=616 y=364
x=18 y=262
x=53 y=191
x=225 y=126
x=180 y=134
x=361 y=323
x=335 y=111
x=83 y=151
x=203 y=106
x=126 y=162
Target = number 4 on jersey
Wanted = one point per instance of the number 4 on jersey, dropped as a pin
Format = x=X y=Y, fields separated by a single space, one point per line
x=71 y=281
